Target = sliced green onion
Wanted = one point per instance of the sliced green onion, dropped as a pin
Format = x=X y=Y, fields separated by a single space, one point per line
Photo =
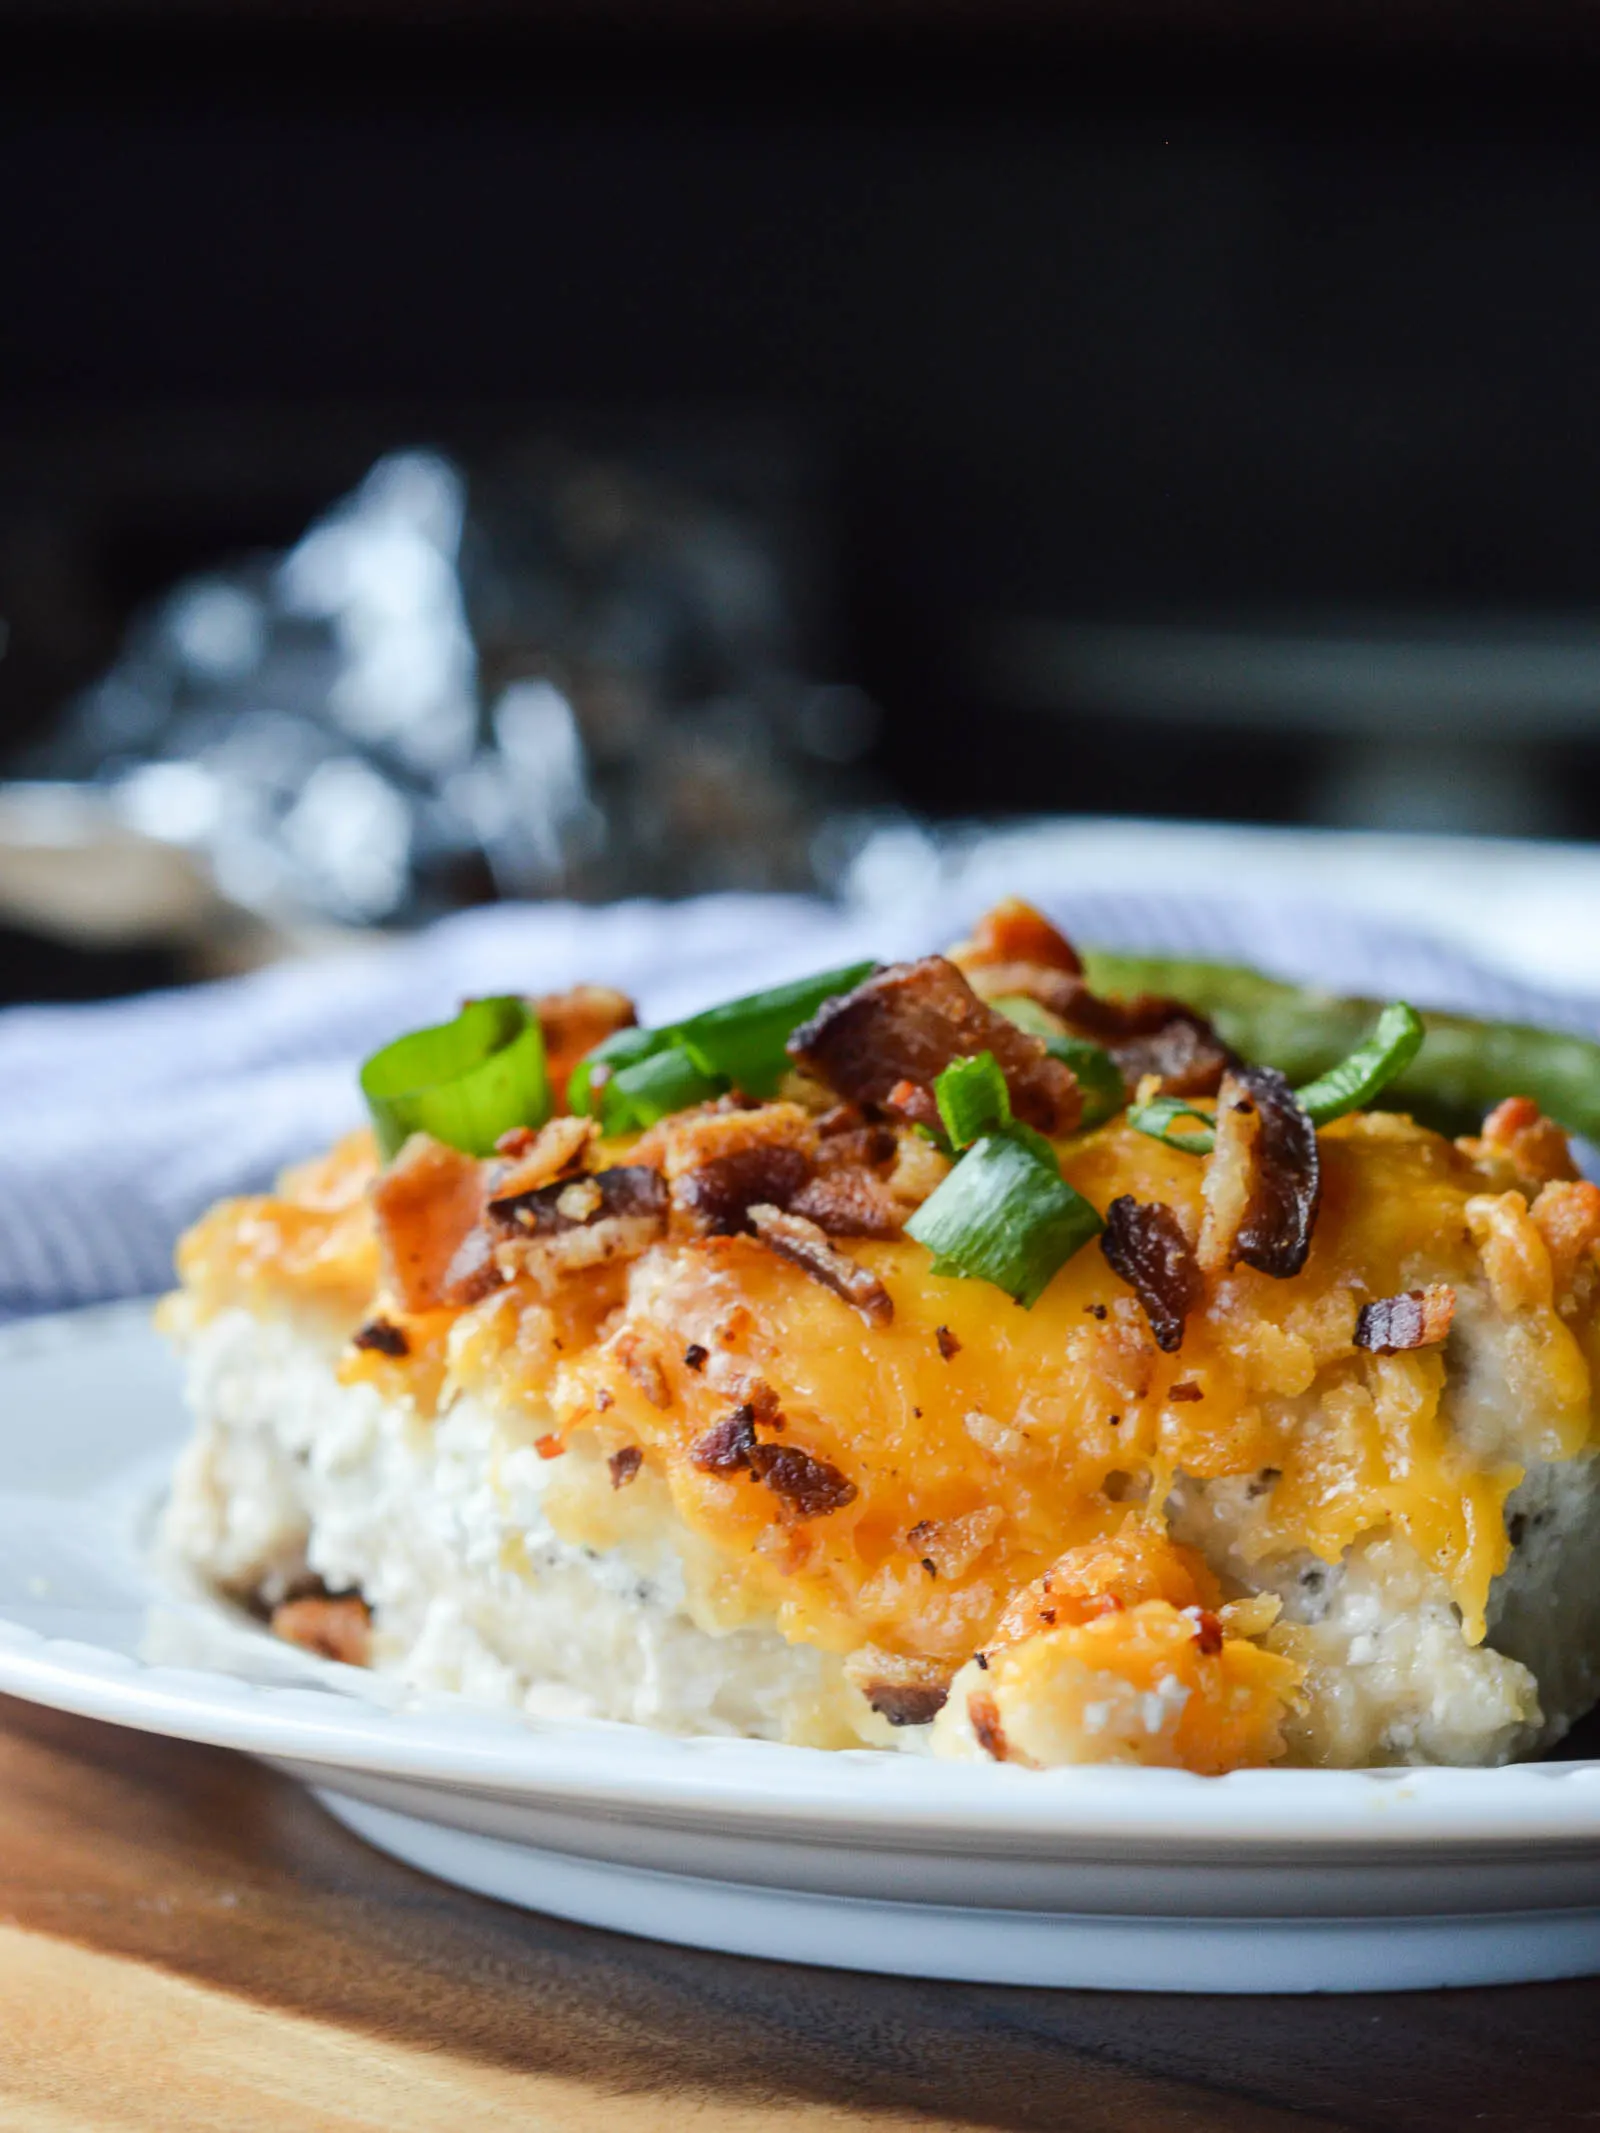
x=1006 y=1215
x=973 y=1099
x=653 y=1088
x=624 y=1047
x=1368 y=1070
x=1097 y=1075
x=466 y=1082
x=1027 y=1014
x=1095 y=1071
x=1353 y=1083
x=743 y=1040
x=1159 y=1119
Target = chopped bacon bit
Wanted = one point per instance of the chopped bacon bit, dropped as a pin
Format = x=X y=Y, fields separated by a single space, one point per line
x=1014 y=932
x=1144 y=1243
x=908 y=1022
x=1535 y=1146
x=850 y=1203
x=555 y=1150
x=1186 y=1391
x=602 y=1398
x=726 y=1446
x=856 y=1147
x=1263 y=1179
x=946 y=1342
x=645 y=1370
x=721 y=1161
x=808 y=1247
x=695 y=1357
x=574 y=1023
x=332 y=1628
x=1207 y=1632
x=1152 y=1035
x=984 y=1713
x=427 y=1206
x=721 y=1194
x=517 y=1140
x=625 y=1465
x=807 y=1486
x=383 y=1338
x=906 y=1703
x=550 y=1446
x=915 y=1104
x=629 y=1191
x=1418 y=1319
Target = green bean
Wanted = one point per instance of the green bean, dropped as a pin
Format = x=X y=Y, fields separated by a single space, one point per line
x=1463 y=1070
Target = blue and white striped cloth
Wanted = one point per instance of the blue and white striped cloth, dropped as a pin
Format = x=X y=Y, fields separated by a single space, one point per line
x=119 y=1123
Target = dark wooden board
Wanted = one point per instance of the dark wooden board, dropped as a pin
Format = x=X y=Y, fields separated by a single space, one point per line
x=187 y=1940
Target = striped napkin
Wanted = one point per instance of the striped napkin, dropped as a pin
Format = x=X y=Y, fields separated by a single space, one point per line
x=120 y=1123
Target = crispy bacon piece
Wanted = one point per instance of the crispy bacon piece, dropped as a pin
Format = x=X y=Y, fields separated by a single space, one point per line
x=725 y=1448
x=382 y=1337
x=624 y=1465
x=1418 y=1319
x=1144 y=1243
x=807 y=1246
x=1152 y=1035
x=1014 y=932
x=850 y=1203
x=629 y=1191
x=1263 y=1180
x=854 y=1146
x=557 y=1148
x=722 y=1192
x=1518 y=1132
x=574 y=1023
x=563 y=1227
x=332 y=1628
x=907 y=1023
x=906 y=1703
x=428 y=1206
x=724 y=1159
x=808 y=1487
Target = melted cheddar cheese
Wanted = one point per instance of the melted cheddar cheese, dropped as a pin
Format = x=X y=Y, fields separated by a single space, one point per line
x=982 y=1446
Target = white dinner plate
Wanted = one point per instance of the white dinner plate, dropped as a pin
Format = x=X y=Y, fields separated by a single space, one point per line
x=1151 y=1880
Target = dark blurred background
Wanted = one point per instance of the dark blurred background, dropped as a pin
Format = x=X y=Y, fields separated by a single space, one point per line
x=1145 y=410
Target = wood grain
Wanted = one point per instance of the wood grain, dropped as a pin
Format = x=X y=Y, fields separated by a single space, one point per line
x=187 y=1941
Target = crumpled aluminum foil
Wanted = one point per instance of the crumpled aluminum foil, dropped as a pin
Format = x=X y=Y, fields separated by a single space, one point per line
x=564 y=680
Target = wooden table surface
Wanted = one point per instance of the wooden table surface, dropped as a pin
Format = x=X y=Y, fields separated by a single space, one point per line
x=187 y=1940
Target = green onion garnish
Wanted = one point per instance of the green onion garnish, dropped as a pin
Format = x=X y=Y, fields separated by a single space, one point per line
x=743 y=1040
x=1354 y=1082
x=640 y=1075
x=1159 y=1118
x=653 y=1088
x=1097 y=1075
x=466 y=1082
x=1357 y=1079
x=1095 y=1071
x=1006 y=1215
x=973 y=1099
x=623 y=1048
